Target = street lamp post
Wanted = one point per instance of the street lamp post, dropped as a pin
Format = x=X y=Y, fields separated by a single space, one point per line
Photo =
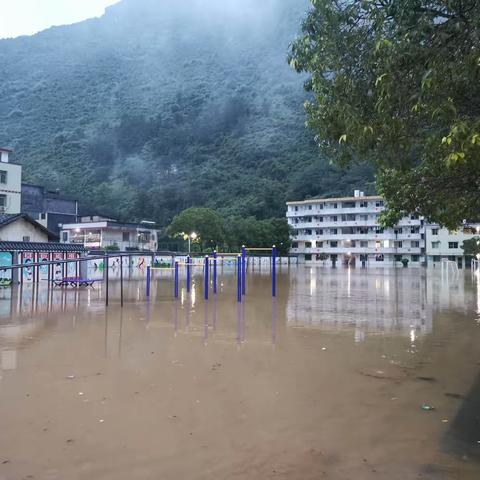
x=192 y=236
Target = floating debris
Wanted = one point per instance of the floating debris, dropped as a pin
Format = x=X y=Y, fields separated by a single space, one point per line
x=427 y=407
x=71 y=377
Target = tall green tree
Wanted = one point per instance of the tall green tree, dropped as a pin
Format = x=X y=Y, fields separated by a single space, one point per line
x=397 y=83
x=471 y=246
x=205 y=222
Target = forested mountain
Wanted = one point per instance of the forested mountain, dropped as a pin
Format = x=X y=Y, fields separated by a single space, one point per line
x=160 y=105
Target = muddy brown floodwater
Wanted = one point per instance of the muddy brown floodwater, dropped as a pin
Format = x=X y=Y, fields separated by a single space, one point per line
x=347 y=375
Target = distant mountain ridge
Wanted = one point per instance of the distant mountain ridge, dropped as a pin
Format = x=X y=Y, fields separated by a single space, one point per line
x=162 y=105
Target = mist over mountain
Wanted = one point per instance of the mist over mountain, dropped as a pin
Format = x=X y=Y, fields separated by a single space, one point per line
x=160 y=105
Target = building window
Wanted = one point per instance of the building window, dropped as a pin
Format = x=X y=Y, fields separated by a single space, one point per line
x=452 y=244
x=26 y=239
x=321 y=206
x=435 y=244
x=334 y=218
x=43 y=216
x=415 y=230
x=379 y=257
x=308 y=244
x=3 y=201
x=125 y=236
x=334 y=244
x=144 y=237
x=333 y=231
x=415 y=258
x=415 y=244
x=398 y=258
x=3 y=176
x=319 y=244
x=308 y=257
x=398 y=244
x=434 y=231
x=378 y=231
x=334 y=205
x=363 y=244
x=320 y=232
x=363 y=205
x=294 y=244
x=379 y=204
x=64 y=236
x=296 y=209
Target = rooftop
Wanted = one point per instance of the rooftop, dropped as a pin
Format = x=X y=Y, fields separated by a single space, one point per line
x=3 y=149
x=334 y=199
x=6 y=219
x=40 y=247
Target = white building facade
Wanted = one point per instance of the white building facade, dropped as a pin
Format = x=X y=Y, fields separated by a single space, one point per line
x=442 y=244
x=346 y=231
x=98 y=233
x=10 y=184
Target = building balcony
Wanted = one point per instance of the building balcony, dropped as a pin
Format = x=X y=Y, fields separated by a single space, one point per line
x=358 y=250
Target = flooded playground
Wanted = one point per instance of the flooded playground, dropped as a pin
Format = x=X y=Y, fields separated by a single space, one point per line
x=346 y=374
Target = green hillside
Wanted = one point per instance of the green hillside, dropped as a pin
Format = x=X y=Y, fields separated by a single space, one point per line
x=162 y=105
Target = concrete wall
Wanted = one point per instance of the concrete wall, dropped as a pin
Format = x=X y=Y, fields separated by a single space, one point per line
x=15 y=231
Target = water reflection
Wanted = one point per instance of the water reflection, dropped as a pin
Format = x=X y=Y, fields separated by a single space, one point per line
x=373 y=301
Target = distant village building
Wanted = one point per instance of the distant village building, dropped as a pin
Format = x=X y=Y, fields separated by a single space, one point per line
x=98 y=232
x=346 y=231
x=48 y=207
x=22 y=228
x=443 y=244
x=10 y=184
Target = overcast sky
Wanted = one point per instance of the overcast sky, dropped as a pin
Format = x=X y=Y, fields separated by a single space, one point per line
x=25 y=17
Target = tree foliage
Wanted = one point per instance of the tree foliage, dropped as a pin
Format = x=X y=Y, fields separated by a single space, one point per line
x=229 y=234
x=471 y=246
x=159 y=106
x=397 y=83
x=206 y=223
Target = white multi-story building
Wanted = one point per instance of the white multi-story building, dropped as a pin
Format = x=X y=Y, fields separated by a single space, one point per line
x=346 y=231
x=10 y=184
x=442 y=244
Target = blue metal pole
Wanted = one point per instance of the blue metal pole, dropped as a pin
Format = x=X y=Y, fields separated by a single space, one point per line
x=148 y=281
x=175 y=288
x=244 y=269
x=239 y=279
x=189 y=260
x=215 y=272
x=206 y=277
x=274 y=271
